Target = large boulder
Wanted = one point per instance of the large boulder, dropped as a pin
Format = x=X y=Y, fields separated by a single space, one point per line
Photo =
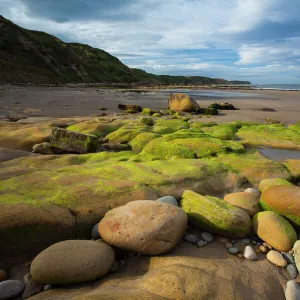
x=222 y=106
x=215 y=215
x=146 y=227
x=182 y=102
x=269 y=182
x=246 y=201
x=283 y=199
x=274 y=230
x=73 y=142
x=72 y=261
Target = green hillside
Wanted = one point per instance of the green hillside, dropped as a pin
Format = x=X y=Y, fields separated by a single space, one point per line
x=28 y=56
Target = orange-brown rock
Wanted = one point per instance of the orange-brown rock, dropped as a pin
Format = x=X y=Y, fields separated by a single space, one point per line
x=182 y=102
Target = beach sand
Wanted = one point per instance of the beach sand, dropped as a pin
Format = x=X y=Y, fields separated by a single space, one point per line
x=73 y=101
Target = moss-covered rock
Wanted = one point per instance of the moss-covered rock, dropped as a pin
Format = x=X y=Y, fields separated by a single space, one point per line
x=283 y=199
x=142 y=140
x=148 y=111
x=156 y=115
x=274 y=135
x=163 y=126
x=215 y=215
x=222 y=131
x=182 y=102
x=222 y=106
x=269 y=182
x=293 y=166
x=275 y=230
x=147 y=121
x=208 y=111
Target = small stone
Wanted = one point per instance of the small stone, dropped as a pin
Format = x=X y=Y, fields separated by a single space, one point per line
x=253 y=191
x=245 y=241
x=95 y=233
x=276 y=259
x=228 y=245
x=240 y=255
x=289 y=258
x=207 y=237
x=10 y=289
x=263 y=249
x=292 y=270
x=292 y=291
x=3 y=275
x=233 y=251
x=222 y=239
x=200 y=244
x=249 y=253
x=191 y=238
x=48 y=287
x=168 y=199
x=267 y=246
x=291 y=252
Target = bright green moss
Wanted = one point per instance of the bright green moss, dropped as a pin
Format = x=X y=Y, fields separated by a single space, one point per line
x=222 y=131
x=148 y=111
x=147 y=121
x=162 y=126
x=269 y=182
x=156 y=115
x=200 y=125
x=141 y=140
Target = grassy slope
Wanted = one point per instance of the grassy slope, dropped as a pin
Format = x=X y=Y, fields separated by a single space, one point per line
x=37 y=57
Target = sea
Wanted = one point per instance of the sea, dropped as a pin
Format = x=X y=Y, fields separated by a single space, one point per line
x=281 y=87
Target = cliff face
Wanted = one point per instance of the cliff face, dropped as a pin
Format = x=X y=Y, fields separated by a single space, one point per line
x=28 y=56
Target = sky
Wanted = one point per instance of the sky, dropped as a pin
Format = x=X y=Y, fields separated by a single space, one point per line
x=255 y=40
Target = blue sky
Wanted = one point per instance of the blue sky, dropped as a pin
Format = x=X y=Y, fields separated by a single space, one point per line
x=256 y=40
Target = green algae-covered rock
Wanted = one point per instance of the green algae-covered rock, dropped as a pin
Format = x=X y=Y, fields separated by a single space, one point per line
x=73 y=141
x=222 y=131
x=148 y=111
x=163 y=126
x=283 y=199
x=222 y=106
x=156 y=115
x=148 y=121
x=208 y=111
x=274 y=230
x=141 y=140
x=293 y=166
x=215 y=215
x=269 y=182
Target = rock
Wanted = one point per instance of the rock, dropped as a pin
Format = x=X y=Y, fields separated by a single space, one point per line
x=168 y=199
x=131 y=107
x=191 y=238
x=263 y=249
x=145 y=227
x=292 y=270
x=72 y=261
x=206 y=236
x=276 y=259
x=182 y=102
x=10 y=289
x=208 y=111
x=222 y=239
x=283 y=199
x=267 y=246
x=296 y=249
x=246 y=201
x=275 y=230
x=3 y=275
x=253 y=242
x=240 y=246
x=253 y=191
x=288 y=257
x=95 y=233
x=200 y=244
x=215 y=215
x=245 y=241
x=222 y=106
x=268 y=109
x=73 y=142
x=48 y=287
x=233 y=251
x=148 y=121
x=43 y=148
x=267 y=183
x=292 y=291
x=32 y=287
x=14 y=117
x=249 y=253
x=228 y=245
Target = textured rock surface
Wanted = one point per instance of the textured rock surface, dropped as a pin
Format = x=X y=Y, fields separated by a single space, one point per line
x=169 y=200
x=182 y=102
x=215 y=215
x=283 y=199
x=72 y=261
x=296 y=249
x=269 y=182
x=43 y=148
x=276 y=259
x=246 y=201
x=146 y=227
x=9 y=289
x=292 y=291
x=275 y=230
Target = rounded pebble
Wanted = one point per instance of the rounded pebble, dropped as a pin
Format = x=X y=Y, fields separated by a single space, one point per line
x=168 y=199
x=233 y=251
x=276 y=259
x=95 y=232
x=200 y=244
x=228 y=245
x=3 y=275
x=288 y=257
x=263 y=249
x=292 y=270
x=10 y=289
x=253 y=191
x=267 y=246
x=191 y=238
x=292 y=291
x=207 y=237
x=249 y=253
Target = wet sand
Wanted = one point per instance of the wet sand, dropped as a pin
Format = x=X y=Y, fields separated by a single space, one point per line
x=83 y=101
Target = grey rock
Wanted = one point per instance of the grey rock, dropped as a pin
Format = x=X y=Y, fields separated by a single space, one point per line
x=233 y=251
x=168 y=199
x=200 y=244
x=207 y=237
x=249 y=253
x=292 y=270
x=191 y=238
x=292 y=291
x=95 y=233
x=288 y=257
x=10 y=289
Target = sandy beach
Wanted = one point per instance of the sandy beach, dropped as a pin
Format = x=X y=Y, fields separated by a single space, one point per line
x=73 y=101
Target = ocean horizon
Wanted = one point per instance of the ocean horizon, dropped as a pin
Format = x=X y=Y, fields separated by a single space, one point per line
x=281 y=87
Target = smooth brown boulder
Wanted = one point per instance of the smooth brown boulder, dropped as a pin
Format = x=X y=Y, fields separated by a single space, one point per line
x=145 y=227
x=182 y=102
x=246 y=201
x=274 y=230
x=72 y=261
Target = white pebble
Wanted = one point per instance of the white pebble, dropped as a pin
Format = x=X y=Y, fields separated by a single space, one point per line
x=249 y=253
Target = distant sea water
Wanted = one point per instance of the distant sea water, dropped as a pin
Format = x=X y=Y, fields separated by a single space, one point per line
x=282 y=87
